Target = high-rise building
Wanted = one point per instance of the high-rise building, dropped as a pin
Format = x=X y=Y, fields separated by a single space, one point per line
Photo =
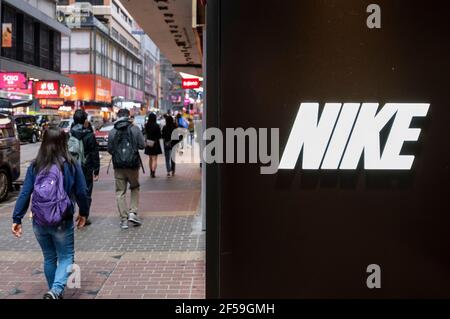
x=104 y=56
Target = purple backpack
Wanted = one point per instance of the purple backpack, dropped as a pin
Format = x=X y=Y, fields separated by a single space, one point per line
x=49 y=201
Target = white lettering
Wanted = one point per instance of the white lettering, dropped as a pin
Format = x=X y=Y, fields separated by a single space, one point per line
x=374 y=279
x=310 y=135
x=340 y=137
x=331 y=133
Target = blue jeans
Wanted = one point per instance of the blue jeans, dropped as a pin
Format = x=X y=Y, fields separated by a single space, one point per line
x=57 y=244
x=170 y=164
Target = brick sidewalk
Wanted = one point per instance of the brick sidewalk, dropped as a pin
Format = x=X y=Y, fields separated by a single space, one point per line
x=164 y=258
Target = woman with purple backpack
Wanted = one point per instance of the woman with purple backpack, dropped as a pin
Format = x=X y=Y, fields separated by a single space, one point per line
x=54 y=181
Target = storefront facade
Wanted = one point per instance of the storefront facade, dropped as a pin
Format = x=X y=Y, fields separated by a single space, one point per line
x=89 y=92
x=31 y=49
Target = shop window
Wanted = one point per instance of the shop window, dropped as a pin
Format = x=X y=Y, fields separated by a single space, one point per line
x=28 y=40
x=51 y=49
x=116 y=7
x=37 y=43
x=44 y=48
x=56 y=52
x=98 y=64
x=114 y=33
x=93 y=2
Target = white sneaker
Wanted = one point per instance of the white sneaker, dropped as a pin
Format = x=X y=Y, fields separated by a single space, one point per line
x=132 y=217
x=124 y=224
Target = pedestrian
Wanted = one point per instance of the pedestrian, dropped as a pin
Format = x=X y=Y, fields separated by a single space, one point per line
x=153 y=146
x=182 y=126
x=181 y=121
x=124 y=142
x=191 y=129
x=54 y=181
x=169 y=143
x=83 y=147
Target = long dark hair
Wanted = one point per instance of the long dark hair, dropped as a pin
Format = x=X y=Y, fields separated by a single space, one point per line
x=53 y=150
x=169 y=121
x=150 y=122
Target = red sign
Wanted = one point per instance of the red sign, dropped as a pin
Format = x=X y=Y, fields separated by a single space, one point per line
x=191 y=83
x=13 y=80
x=46 y=90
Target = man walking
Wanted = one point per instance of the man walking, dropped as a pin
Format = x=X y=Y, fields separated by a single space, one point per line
x=124 y=142
x=85 y=149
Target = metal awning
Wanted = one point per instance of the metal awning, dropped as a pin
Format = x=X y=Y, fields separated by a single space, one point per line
x=9 y=104
x=169 y=24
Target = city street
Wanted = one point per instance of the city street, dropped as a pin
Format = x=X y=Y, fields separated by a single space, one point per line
x=164 y=258
x=28 y=152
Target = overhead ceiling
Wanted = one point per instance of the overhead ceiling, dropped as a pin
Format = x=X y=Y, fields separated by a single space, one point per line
x=169 y=25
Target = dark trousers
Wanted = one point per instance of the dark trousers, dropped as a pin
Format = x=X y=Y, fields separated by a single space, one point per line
x=90 y=185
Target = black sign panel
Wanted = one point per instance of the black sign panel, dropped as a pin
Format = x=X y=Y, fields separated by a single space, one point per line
x=319 y=233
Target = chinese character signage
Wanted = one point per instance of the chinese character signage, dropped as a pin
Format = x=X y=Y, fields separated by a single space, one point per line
x=46 y=90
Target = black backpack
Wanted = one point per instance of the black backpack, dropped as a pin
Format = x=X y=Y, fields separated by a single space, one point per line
x=125 y=152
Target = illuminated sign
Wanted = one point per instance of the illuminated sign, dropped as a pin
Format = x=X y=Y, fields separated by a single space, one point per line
x=51 y=103
x=46 y=90
x=345 y=132
x=13 y=80
x=191 y=83
x=68 y=91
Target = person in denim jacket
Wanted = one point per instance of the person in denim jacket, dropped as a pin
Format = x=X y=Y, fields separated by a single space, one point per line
x=57 y=242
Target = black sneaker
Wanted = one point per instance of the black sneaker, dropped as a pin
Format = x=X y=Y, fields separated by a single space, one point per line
x=51 y=295
x=88 y=222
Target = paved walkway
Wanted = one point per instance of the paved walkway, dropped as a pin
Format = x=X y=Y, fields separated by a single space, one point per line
x=164 y=258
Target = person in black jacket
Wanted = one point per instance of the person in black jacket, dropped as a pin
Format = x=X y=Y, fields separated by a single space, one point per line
x=152 y=148
x=169 y=143
x=83 y=131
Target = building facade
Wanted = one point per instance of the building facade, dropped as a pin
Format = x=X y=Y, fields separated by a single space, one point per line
x=103 y=56
x=152 y=75
x=31 y=45
x=172 y=93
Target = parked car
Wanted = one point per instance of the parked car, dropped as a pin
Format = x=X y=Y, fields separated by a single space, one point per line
x=9 y=155
x=46 y=120
x=101 y=136
x=27 y=127
x=66 y=125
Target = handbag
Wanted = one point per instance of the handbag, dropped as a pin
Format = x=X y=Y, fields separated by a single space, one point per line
x=150 y=143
